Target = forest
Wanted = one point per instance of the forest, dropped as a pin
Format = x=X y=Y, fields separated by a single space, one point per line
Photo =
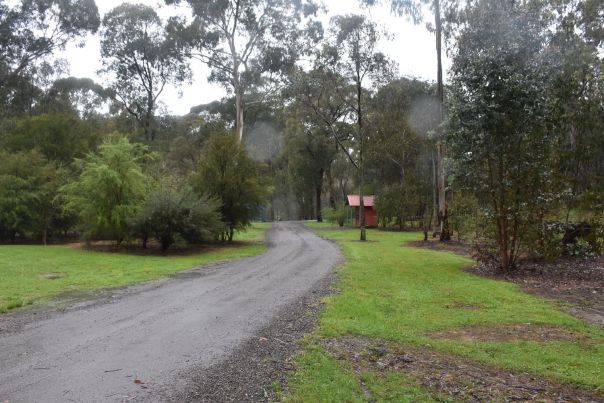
x=505 y=153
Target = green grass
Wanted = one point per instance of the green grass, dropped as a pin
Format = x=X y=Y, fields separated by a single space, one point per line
x=402 y=294
x=22 y=267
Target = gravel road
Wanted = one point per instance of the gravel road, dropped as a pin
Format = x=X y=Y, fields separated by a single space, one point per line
x=142 y=339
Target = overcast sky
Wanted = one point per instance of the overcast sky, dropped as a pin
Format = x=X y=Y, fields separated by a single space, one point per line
x=412 y=47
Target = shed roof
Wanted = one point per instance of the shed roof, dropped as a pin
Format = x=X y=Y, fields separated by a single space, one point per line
x=355 y=200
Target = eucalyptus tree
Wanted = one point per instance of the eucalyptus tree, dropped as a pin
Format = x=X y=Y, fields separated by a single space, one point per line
x=30 y=32
x=141 y=58
x=351 y=52
x=413 y=9
x=243 y=41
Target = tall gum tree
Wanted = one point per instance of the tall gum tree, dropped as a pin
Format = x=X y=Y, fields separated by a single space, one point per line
x=413 y=10
x=141 y=58
x=351 y=53
x=244 y=41
x=30 y=33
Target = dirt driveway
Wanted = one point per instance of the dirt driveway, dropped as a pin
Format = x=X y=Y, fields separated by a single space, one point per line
x=139 y=340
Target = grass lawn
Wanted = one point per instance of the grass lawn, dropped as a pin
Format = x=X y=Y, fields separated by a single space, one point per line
x=25 y=270
x=403 y=295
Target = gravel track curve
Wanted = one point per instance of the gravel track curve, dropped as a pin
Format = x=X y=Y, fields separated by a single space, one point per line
x=142 y=338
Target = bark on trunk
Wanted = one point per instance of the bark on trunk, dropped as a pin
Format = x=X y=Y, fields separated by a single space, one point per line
x=443 y=213
x=318 y=191
x=503 y=244
x=239 y=114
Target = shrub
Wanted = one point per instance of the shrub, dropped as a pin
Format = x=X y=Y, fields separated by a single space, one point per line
x=335 y=215
x=109 y=190
x=168 y=213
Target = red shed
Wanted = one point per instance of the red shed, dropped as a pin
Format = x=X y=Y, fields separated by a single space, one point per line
x=370 y=214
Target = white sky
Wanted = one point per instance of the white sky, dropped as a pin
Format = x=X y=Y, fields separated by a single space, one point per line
x=412 y=47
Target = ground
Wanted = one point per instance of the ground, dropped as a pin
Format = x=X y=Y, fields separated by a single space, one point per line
x=396 y=323
x=34 y=274
x=577 y=283
x=157 y=341
x=409 y=324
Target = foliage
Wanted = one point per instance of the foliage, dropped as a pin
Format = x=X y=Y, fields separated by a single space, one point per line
x=502 y=148
x=227 y=173
x=464 y=216
x=109 y=189
x=396 y=204
x=336 y=215
x=31 y=31
x=28 y=185
x=309 y=153
x=243 y=40
x=169 y=212
x=59 y=137
x=141 y=58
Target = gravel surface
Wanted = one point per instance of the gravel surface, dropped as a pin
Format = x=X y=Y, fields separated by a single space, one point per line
x=166 y=339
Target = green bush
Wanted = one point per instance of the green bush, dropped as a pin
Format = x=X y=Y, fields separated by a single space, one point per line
x=168 y=213
x=335 y=215
x=463 y=216
x=109 y=190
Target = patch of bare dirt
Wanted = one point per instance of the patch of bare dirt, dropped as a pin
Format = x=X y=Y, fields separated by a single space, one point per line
x=51 y=275
x=510 y=332
x=453 y=376
x=451 y=246
x=579 y=283
x=463 y=305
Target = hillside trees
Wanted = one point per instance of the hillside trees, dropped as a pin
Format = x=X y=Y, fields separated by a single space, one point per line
x=577 y=104
x=346 y=67
x=141 y=58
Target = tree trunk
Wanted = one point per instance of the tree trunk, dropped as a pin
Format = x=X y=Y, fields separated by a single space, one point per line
x=434 y=209
x=503 y=244
x=443 y=213
x=363 y=236
x=239 y=114
x=318 y=191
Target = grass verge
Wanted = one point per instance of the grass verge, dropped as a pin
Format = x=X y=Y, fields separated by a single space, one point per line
x=406 y=295
x=31 y=273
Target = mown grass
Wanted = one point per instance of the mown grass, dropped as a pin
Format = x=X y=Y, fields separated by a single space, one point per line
x=403 y=294
x=24 y=269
